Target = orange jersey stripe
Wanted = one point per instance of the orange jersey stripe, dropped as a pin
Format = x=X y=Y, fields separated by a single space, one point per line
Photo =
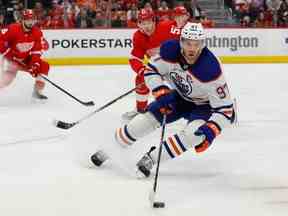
x=174 y=146
x=122 y=137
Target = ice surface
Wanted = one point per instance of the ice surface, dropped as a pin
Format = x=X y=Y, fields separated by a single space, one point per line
x=44 y=170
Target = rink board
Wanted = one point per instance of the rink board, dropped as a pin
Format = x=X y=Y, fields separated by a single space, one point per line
x=113 y=46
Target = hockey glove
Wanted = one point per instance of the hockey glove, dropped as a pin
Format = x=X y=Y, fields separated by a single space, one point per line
x=209 y=131
x=165 y=98
x=34 y=69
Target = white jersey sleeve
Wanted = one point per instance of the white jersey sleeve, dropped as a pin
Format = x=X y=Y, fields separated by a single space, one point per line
x=157 y=68
x=220 y=101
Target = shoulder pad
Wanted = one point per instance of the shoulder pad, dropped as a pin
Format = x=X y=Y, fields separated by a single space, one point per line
x=37 y=31
x=166 y=23
x=138 y=36
x=170 y=50
x=207 y=68
x=14 y=26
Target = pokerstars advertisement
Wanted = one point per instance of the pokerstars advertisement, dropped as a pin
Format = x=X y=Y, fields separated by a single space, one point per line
x=88 y=43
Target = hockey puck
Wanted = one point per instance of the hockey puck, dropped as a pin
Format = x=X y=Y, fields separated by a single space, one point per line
x=158 y=205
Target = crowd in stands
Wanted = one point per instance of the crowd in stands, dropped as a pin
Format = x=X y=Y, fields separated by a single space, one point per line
x=259 y=13
x=55 y=14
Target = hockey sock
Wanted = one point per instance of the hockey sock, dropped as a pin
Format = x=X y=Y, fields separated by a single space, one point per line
x=39 y=84
x=138 y=127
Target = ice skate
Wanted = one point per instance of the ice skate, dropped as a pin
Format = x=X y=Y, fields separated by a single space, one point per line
x=145 y=164
x=99 y=158
x=38 y=96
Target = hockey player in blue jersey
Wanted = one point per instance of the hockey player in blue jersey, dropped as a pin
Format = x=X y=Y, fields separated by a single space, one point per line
x=196 y=91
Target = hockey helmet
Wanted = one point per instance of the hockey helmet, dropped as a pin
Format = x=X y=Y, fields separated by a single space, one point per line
x=193 y=31
x=145 y=14
x=180 y=11
x=27 y=14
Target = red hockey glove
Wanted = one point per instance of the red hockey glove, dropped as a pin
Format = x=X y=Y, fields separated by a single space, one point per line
x=34 y=69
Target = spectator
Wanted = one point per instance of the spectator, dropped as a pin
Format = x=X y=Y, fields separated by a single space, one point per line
x=148 y=6
x=87 y=3
x=194 y=9
x=118 y=19
x=229 y=8
x=206 y=23
x=9 y=13
x=17 y=12
x=55 y=17
x=132 y=16
x=262 y=21
x=2 y=21
x=246 y=21
x=73 y=10
x=40 y=14
x=128 y=4
x=268 y=16
x=82 y=20
x=242 y=10
x=91 y=13
x=273 y=6
x=282 y=14
x=68 y=15
x=163 y=12
x=100 y=20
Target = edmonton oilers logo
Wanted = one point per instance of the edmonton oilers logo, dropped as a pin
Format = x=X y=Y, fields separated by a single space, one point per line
x=184 y=85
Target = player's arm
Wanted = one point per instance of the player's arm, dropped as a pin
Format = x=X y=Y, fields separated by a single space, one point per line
x=159 y=66
x=221 y=102
x=5 y=38
x=222 y=112
x=34 y=64
x=137 y=55
x=156 y=69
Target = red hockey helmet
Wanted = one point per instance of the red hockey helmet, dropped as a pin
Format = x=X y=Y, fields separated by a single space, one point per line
x=179 y=11
x=27 y=14
x=145 y=14
x=28 y=19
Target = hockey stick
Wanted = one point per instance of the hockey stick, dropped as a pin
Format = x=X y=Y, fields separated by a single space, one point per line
x=157 y=204
x=88 y=103
x=66 y=125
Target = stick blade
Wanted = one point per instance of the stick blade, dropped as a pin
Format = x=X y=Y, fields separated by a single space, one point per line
x=89 y=103
x=64 y=125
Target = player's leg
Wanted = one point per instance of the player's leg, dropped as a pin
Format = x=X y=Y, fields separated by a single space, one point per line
x=141 y=125
x=142 y=94
x=8 y=75
x=178 y=143
x=39 y=84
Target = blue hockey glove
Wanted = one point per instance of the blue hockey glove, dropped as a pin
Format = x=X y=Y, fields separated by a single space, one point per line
x=209 y=130
x=164 y=97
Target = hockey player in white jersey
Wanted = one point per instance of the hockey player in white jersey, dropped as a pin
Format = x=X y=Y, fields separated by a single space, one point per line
x=197 y=92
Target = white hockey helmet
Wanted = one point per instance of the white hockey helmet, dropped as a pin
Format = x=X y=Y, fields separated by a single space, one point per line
x=193 y=31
